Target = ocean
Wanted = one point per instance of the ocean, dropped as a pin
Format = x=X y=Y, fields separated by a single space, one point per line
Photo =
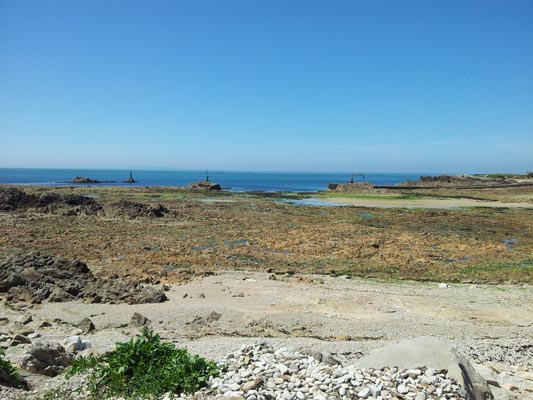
x=229 y=180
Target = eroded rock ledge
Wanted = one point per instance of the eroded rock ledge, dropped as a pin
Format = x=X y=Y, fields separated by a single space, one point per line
x=35 y=277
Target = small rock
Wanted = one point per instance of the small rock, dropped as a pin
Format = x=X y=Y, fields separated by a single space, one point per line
x=139 y=319
x=74 y=344
x=443 y=285
x=420 y=396
x=34 y=335
x=24 y=319
x=19 y=339
x=86 y=325
x=21 y=329
x=364 y=393
x=402 y=389
x=45 y=324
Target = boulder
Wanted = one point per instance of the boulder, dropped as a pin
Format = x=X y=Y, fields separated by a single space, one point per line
x=432 y=353
x=139 y=320
x=86 y=325
x=74 y=344
x=21 y=329
x=19 y=339
x=24 y=319
x=46 y=359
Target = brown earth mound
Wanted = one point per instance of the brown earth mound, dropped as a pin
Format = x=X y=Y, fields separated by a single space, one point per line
x=34 y=277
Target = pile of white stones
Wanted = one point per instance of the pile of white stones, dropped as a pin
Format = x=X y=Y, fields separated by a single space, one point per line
x=259 y=372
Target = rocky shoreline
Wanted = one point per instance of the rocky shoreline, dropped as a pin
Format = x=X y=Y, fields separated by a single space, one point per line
x=307 y=353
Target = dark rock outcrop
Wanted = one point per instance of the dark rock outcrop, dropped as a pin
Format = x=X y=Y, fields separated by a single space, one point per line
x=34 y=278
x=82 y=179
x=12 y=199
x=204 y=185
x=132 y=209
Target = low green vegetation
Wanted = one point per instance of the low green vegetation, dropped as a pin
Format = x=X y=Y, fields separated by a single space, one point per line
x=145 y=367
x=8 y=372
x=503 y=176
x=409 y=196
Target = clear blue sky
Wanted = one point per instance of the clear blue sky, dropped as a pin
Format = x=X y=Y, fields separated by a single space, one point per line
x=397 y=85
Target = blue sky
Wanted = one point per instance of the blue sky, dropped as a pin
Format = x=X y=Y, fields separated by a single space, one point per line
x=397 y=85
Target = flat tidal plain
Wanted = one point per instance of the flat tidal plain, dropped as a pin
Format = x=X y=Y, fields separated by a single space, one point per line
x=203 y=233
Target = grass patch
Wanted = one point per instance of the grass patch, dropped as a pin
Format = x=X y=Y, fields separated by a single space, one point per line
x=145 y=367
x=519 y=272
x=410 y=196
x=11 y=374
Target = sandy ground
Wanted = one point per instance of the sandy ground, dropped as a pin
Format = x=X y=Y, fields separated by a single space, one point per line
x=424 y=203
x=215 y=316
x=339 y=315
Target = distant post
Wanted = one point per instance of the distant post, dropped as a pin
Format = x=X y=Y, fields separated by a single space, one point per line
x=206 y=176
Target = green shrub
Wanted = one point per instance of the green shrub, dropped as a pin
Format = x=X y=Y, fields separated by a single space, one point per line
x=9 y=373
x=144 y=367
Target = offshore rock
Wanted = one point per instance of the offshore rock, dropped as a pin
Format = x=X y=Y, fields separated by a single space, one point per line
x=204 y=185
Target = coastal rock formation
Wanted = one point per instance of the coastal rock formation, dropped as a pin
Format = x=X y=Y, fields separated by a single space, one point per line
x=465 y=180
x=354 y=187
x=12 y=199
x=34 y=278
x=204 y=185
x=131 y=209
x=82 y=179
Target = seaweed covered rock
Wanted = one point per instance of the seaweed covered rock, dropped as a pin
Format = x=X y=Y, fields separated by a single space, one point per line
x=204 y=185
x=132 y=209
x=12 y=199
x=34 y=278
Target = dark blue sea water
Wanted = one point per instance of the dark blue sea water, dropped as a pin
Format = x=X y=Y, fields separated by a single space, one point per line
x=235 y=181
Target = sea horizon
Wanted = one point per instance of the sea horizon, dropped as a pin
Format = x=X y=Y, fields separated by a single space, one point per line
x=239 y=181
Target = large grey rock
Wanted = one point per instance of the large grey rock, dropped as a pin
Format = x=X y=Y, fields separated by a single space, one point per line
x=432 y=353
x=49 y=359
